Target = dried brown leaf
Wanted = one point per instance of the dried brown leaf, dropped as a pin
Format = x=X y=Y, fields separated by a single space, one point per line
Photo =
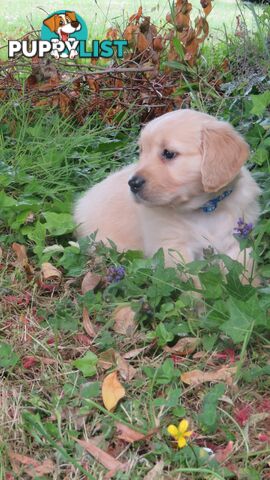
x=107 y=359
x=32 y=467
x=184 y=346
x=158 y=43
x=134 y=353
x=112 y=391
x=128 y=434
x=87 y=324
x=90 y=282
x=64 y=104
x=222 y=454
x=124 y=321
x=142 y=42
x=196 y=377
x=129 y=32
x=156 y=473
x=126 y=371
x=102 y=457
x=22 y=257
x=136 y=16
x=49 y=272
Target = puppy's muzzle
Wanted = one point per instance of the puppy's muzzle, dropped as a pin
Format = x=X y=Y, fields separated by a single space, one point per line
x=136 y=183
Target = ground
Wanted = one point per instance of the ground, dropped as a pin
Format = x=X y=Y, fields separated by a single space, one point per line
x=101 y=352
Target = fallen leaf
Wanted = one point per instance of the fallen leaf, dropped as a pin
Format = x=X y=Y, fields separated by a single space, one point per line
x=90 y=281
x=83 y=339
x=87 y=324
x=124 y=321
x=222 y=454
x=196 y=377
x=49 y=272
x=156 y=472
x=33 y=467
x=102 y=457
x=112 y=391
x=184 y=346
x=134 y=353
x=21 y=254
x=129 y=435
x=22 y=257
x=107 y=359
x=126 y=371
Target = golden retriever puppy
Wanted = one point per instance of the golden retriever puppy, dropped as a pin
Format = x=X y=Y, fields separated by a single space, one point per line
x=187 y=191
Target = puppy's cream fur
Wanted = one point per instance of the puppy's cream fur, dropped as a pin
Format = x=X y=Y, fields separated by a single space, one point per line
x=166 y=212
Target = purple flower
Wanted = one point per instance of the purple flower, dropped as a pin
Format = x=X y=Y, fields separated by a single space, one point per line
x=243 y=229
x=115 y=274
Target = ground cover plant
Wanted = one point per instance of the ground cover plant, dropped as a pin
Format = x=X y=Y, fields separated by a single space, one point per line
x=106 y=365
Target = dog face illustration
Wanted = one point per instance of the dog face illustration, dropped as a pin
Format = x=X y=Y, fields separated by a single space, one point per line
x=63 y=24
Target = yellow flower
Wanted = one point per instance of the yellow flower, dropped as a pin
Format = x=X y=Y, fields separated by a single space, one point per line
x=180 y=433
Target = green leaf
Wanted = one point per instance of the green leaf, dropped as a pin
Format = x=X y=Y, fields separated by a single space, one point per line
x=64 y=318
x=8 y=358
x=208 y=417
x=212 y=282
x=260 y=156
x=260 y=103
x=87 y=364
x=243 y=315
x=6 y=201
x=59 y=223
x=163 y=335
x=90 y=390
x=236 y=288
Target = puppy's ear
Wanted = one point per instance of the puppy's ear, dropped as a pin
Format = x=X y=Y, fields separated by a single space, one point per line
x=51 y=23
x=71 y=16
x=223 y=153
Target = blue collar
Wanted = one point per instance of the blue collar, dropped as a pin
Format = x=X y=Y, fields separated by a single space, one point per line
x=212 y=204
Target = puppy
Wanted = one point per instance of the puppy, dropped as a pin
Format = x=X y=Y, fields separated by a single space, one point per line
x=186 y=193
x=63 y=24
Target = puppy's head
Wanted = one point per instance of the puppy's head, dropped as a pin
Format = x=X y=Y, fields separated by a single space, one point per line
x=184 y=154
x=63 y=24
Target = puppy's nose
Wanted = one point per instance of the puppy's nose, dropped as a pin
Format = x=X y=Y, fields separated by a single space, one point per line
x=74 y=24
x=136 y=183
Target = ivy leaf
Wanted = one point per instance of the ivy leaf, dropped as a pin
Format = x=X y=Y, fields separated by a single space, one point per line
x=260 y=103
x=87 y=364
x=208 y=417
x=242 y=316
x=59 y=223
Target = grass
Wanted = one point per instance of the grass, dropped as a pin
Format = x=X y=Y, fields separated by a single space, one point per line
x=53 y=365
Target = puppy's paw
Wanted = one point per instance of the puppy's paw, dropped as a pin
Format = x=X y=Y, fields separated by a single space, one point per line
x=55 y=54
x=73 y=54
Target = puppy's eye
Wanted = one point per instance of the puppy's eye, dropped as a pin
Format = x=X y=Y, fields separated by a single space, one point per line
x=168 y=155
x=61 y=23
